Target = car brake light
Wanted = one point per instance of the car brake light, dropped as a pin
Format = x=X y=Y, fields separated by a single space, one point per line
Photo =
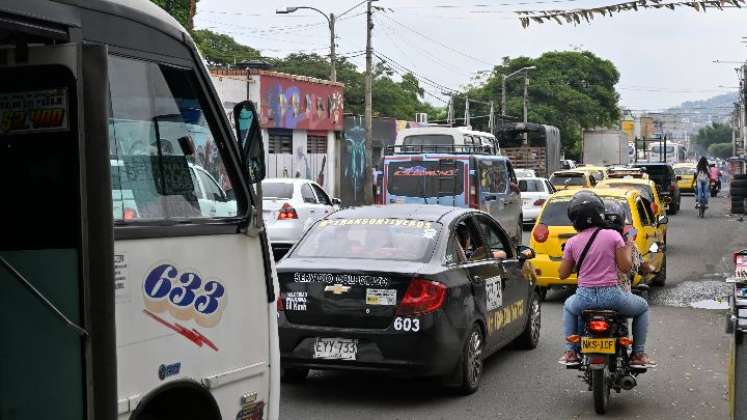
x=540 y=233
x=539 y=202
x=129 y=214
x=281 y=302
x=598 y=325
x=422 y=296
x=287 y=212
x=473 y=197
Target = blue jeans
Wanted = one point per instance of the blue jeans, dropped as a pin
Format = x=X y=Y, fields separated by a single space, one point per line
x=613 y=298
x=701 y=192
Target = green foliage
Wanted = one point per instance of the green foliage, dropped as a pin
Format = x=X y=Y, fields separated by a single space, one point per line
x=179 y=9
x=722 y=150
x=222 y=50
x=571 y=90
x=714 y=134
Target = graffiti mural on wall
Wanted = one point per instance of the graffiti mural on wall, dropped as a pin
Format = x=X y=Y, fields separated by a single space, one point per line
x=354 y=160
x=295 y=104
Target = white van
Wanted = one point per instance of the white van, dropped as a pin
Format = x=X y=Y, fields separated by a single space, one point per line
x=445 y=140
x=136 y=278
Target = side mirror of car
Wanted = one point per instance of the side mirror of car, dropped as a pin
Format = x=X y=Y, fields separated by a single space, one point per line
x=249 y=136
x=524 y=253
x=336 y=201
x=662 y=220
x=667 y=200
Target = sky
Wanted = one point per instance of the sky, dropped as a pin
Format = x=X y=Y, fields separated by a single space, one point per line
x=664 y=57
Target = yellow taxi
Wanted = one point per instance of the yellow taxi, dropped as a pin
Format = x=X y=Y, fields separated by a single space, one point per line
x=598 y=172
x=572 y=180
x=647 y=189
x=553 y=229
x=685 y=173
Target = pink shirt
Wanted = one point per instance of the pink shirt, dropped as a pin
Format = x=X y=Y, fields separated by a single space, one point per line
x=599 y=268
x=715 y=173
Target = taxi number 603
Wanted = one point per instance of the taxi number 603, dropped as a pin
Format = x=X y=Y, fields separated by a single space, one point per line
x=406 y=324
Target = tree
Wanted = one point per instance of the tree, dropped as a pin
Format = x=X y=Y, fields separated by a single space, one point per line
x=722 y=150
x=571 y=90
x=180 y=10
x=222 y=50
x=714 y=134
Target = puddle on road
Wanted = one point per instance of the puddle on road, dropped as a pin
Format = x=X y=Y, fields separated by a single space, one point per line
x=704 y=294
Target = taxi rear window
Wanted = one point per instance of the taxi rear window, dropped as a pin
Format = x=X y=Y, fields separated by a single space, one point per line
x=556 y=211
x=684 y=171
x=374 y=238
x=567 y=179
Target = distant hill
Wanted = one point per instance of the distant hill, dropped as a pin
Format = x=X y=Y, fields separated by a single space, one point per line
x=716 y=103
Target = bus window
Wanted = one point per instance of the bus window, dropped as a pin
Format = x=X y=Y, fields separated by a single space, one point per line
x=155 y=113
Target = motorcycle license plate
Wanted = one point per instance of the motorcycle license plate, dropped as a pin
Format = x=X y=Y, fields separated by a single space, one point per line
x=598 y=345
x=335 y=348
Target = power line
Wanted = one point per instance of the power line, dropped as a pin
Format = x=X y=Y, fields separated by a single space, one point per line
x=436 y=41
x=420 y=77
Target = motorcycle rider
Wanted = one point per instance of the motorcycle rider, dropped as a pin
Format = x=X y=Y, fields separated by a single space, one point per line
x=702 y=180
x=716 y=176
x=606 y=255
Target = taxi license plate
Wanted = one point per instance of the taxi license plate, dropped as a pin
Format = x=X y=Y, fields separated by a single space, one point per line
x=598 y=345
x=335 y=348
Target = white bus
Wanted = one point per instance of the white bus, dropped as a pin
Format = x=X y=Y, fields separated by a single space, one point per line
x=136 y=280
x=671 y=153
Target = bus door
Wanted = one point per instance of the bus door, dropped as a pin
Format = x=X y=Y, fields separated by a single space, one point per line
x=41 y=252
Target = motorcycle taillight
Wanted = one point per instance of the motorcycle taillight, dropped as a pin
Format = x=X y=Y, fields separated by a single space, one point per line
x=598 y=325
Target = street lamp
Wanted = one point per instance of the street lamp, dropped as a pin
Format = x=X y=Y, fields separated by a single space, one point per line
x=331 y=20
x=526 y=85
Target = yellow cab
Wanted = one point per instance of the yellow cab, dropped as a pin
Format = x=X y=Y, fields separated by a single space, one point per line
x=598 y=172
x=685 y=173
x=647 y=189
x=572 y=180
x=553 y=229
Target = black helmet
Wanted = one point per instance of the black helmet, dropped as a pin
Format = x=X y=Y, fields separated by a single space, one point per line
x=614 y=215
x=586 y=210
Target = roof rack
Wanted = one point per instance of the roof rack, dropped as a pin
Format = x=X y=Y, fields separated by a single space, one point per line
x=455 y=149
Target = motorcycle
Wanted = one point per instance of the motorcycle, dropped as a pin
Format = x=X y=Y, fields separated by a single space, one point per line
x=714 y=188
x=605 y=350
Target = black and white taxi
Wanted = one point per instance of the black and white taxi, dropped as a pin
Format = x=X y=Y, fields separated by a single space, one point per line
x=408 y=289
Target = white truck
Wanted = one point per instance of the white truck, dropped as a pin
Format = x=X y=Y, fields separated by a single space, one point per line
x=605 y=147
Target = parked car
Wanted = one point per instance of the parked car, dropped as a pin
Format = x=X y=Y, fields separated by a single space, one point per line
x=572 y=179
x=409 y=290
x=460 y=179
x=289 y=207
x=666 y=181
x=686 y=174
x=554 y=228
x=534 y=192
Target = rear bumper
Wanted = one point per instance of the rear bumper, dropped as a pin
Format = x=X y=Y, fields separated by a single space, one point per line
x=531 y=214
x=547 y=269
x=434 y=350
x=285 y=231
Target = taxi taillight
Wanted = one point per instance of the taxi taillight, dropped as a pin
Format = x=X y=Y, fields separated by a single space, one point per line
x=280 y=302
x=422 y=296
x=539 y=202
x=287 y=212
x=473 y=202
x=540 y=233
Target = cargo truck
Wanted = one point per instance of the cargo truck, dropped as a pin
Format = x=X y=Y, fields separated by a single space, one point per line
x=605 y=147
x=531 y=146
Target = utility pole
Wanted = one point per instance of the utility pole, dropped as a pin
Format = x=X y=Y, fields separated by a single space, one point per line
x=332 y=55
x=503 y=95
x=368 y=178
x=466 y=112
x=491 y=119
x=450 y=113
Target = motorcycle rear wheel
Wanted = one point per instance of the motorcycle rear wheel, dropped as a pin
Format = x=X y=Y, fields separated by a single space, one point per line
x=601 y=389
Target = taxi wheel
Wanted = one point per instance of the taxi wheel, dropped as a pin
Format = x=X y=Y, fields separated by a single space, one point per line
x=529 y=338
x=472 y=362
x=293 y=375
x=661 y=276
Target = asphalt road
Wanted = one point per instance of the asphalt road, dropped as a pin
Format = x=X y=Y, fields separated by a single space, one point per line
x=689 y=343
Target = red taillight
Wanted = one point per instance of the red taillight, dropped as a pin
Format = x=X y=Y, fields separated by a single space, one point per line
x=597 y=325
x=422 y=296
x=539 y=202
x=129 y=214
x=287 y=212
x=540 y=233
x=281 y=302
x=671 y=187
x=473 y=203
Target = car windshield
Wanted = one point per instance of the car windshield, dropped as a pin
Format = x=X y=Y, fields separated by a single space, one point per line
x=567 y=179
x=378 y=239
x=531 y=185
x=272 y=189
x=556 y=211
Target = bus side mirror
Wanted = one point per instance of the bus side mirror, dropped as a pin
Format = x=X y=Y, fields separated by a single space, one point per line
x=249 y=135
